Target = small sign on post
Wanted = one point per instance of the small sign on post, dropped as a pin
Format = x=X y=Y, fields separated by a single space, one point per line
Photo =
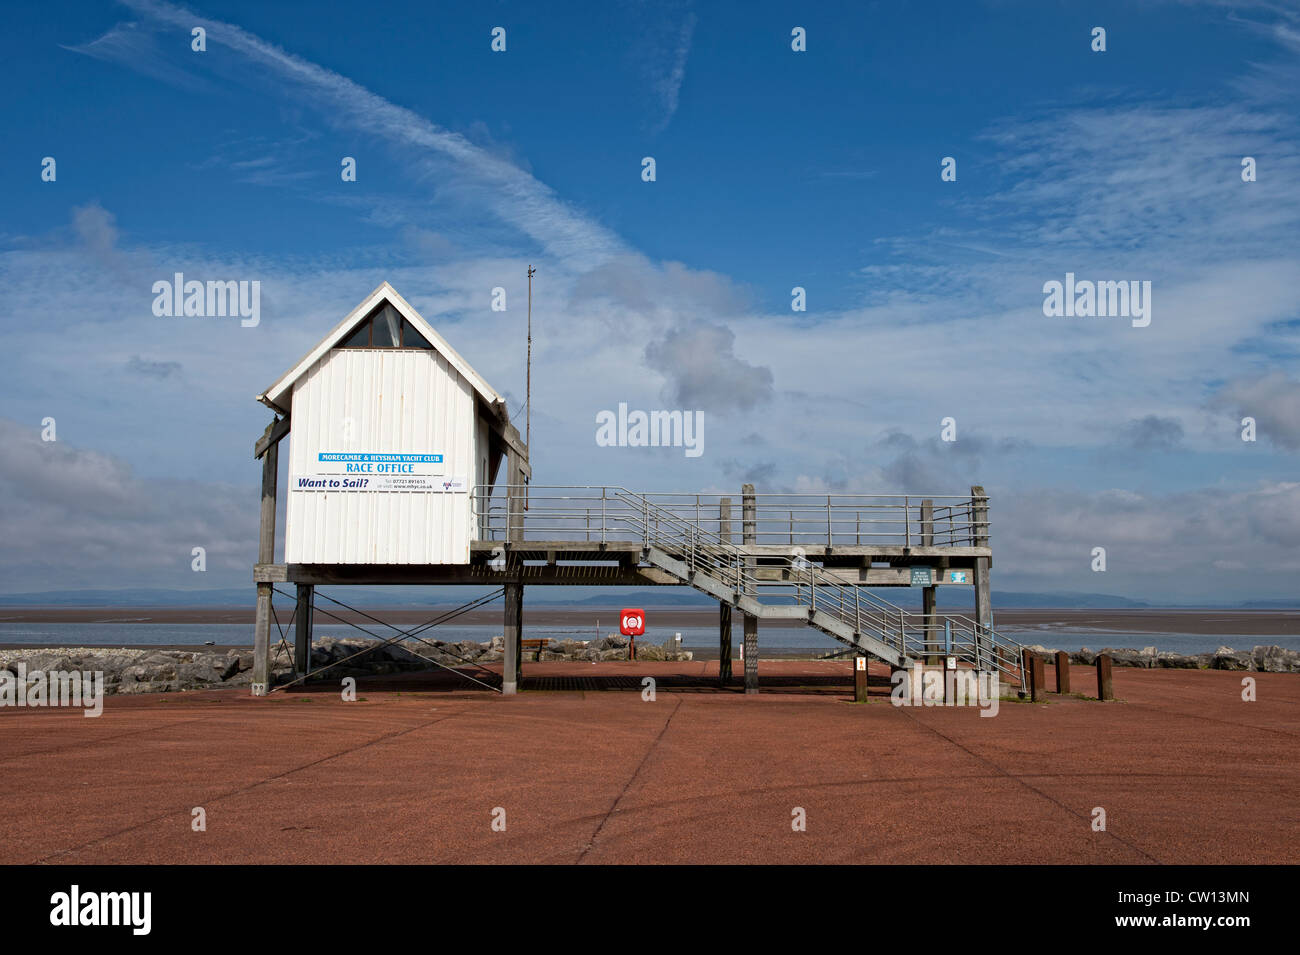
x=922 y=576
x=859 y=679
x=631 y=623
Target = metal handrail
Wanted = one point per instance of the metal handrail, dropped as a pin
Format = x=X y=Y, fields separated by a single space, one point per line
x=863 y=520
x=642 y=519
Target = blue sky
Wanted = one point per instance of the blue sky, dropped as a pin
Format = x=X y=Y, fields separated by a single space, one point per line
x=775 y=169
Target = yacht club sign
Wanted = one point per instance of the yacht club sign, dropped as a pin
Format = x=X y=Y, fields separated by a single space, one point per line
x=377 y=471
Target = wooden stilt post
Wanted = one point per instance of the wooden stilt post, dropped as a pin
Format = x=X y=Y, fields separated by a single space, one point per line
x=302 y=630
x=859 y=679
x=724 y=610
x=749 y=535
x=261 y=684
x=931 y=619
x=980 y=538
x=510 y=662
x=1062 y=672
x=519 y=639
x=751 y=653
x=1104 y=689
x=724 y=644
x=927 y=523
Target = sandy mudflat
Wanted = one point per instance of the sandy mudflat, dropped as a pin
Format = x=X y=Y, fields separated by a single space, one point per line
x=1261 y=622
x=589 y=771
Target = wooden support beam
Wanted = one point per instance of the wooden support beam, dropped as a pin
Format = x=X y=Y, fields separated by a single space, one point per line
x=979 y=530
x=266 y=528
x=749 y=535
x=452 y=574
x=927 y=523
x=514 y=599
x=983 y=606
x=859 y=679
x=302 y=630
x=748 y=514
x=519 y=639
x=508 y=434
x=980 y=538
x=1062 y=672
x=261 y=684
x=516 y=497
x=933 y=648
x=751 y=653
x=724 y=644
x=724 y=610
x=276 y=430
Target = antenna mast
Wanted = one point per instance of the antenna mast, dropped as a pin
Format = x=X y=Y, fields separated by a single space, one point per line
x=528 y=386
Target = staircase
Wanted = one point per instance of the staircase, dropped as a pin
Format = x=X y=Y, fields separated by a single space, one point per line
x=676 y=540
x=702 y=559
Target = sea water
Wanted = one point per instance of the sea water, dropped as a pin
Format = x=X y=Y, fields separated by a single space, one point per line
x=129 y=633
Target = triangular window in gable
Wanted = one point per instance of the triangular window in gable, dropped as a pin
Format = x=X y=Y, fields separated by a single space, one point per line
x=385 y=328
x=360 y=337
x=386 y=324
x=411 y=338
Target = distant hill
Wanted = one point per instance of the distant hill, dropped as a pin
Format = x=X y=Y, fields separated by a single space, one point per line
x=141 y=597
x=683 y=597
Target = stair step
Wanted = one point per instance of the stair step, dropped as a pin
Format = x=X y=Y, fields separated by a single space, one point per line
x=882 y=618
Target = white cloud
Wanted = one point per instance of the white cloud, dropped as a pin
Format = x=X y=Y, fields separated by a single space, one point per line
x=953 y=328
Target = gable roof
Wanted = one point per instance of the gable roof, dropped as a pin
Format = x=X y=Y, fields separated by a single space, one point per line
x=278 y=396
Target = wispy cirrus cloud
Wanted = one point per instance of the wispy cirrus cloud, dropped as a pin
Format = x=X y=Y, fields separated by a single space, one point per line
x=137 y=46
x=516 y=197
x=951 y=325
x=669 y=85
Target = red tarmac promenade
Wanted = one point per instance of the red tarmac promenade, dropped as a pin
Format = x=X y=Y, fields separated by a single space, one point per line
x=588 y=772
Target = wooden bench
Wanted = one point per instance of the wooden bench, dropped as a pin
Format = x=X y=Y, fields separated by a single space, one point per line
x=534 y=646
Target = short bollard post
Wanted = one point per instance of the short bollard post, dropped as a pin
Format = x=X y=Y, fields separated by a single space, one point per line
x=1062 y=672
x=859 y=679
x=1039 y=681
x=1027 y=672
x=1104 y=690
